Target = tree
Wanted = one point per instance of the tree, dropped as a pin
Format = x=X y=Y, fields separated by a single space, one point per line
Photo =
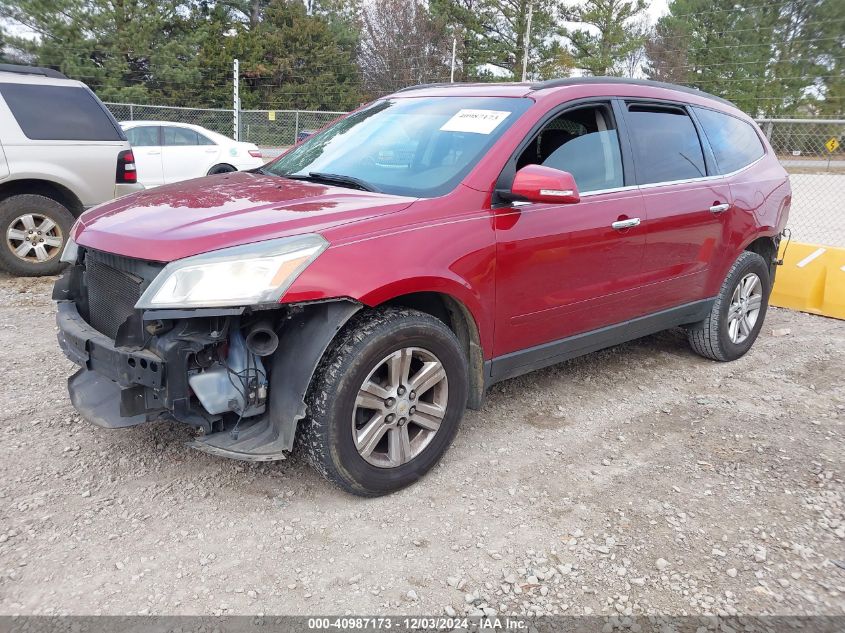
x=402 y=44
x=492 y=36
x=769 y=59
x=293 y=60
x=608 y=36
x=134 y=51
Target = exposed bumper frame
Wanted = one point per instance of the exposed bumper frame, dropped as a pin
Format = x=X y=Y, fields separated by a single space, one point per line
x=118 y=387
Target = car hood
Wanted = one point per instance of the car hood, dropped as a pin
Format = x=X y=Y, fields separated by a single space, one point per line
x=207 y=214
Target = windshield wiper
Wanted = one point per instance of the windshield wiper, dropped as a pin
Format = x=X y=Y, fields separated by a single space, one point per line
x=335 y=179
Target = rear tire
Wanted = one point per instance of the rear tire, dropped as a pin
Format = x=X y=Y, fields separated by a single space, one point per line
x=737 y=316
x=33 y=230
x=371 y=445
x=221 y=169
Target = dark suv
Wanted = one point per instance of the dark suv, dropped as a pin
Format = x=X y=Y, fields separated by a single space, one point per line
x=365 y=287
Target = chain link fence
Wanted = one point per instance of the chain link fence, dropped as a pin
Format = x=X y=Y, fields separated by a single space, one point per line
x=219 y=120
x=275 y=130
x=813 y=152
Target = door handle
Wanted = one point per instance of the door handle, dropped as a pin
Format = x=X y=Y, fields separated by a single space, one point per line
x=625 y=224
x=211 y=151
x=154 y=152
x=720 y=208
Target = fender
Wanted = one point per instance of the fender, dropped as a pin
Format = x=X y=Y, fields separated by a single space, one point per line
x=302 y=343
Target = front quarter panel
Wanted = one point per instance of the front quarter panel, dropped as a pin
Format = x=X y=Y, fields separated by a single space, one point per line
x=444 y=245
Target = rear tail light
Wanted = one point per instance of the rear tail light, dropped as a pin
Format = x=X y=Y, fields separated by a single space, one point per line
x=255 y=153
x=126 y=172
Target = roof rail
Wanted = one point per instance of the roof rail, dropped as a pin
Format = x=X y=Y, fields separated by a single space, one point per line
x=575 y=81
x=31 y=70
x=423 y=86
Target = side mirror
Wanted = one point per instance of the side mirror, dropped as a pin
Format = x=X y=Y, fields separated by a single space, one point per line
x=536 y=183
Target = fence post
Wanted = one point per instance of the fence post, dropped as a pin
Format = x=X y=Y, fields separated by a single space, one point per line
x=131 y=112
x=296 y=128
x=769 y=126
x=236 y=102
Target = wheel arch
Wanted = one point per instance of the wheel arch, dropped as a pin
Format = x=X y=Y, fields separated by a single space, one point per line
x=767 y=248
x=461 y=321
x=216 y=165
x=46 y=188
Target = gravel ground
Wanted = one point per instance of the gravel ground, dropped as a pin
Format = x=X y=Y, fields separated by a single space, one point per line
x=637 y=480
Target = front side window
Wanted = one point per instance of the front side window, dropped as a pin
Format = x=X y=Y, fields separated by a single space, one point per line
x=180 y=136
x=421 y=147
x=735 y=143
x=665 y=143
x=583 y=142
x=145 y=136
x=59 y=113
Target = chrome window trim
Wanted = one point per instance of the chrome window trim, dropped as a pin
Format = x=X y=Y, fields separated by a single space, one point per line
x=597 y=192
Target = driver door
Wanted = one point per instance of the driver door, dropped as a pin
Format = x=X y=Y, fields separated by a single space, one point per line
x=562 y=269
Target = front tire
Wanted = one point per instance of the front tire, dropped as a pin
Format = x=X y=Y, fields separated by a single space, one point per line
x=737 y=316
x=385 y=402
x=33 y=230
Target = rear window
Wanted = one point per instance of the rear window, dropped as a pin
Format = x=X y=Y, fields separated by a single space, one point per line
x=735 y=143
x=59 y=113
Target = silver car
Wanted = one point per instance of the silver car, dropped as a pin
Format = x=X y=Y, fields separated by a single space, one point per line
x=61 y=152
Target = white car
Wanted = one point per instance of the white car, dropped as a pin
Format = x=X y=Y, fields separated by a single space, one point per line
x=168 y=152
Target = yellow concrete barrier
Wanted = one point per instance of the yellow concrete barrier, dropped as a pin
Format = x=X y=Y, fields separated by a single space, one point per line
x=812 y=279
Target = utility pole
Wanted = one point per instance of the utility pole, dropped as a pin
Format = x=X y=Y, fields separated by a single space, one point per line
x=236 y=101
x=454 y=46
x=526 y=45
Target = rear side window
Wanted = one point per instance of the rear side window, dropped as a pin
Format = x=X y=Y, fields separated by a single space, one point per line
x=665 y=143
x=59 y=113
x=735 y=143
x=144 y=136
x=180 y=136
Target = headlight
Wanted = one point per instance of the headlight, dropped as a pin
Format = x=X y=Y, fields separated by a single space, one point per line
x=243 y=275
x=70 y=252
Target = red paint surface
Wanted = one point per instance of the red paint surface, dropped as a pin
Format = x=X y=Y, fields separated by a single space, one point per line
x=528 y=275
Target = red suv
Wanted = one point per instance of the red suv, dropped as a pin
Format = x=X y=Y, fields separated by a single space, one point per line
x=361 y=290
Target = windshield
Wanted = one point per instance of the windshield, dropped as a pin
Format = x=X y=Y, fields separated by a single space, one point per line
x=420 y=147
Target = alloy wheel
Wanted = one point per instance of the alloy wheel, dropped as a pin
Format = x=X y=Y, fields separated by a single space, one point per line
x=34 y=237
x=746 y=300
x=399 y=408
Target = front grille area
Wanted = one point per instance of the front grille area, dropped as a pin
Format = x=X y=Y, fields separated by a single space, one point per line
x=113 y=286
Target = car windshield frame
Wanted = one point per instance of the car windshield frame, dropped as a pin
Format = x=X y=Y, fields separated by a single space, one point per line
x=420 y=147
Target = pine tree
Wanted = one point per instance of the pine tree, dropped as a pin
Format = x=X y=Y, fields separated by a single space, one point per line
x=492 y=36
x=770 y=59
x=614 y=35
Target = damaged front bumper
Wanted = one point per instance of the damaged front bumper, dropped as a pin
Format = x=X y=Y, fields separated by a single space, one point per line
x=146 y=373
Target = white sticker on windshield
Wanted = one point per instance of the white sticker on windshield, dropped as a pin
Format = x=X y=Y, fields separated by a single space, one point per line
x=475 y=121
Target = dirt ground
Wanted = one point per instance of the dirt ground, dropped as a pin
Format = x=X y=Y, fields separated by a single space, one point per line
x=638 y=480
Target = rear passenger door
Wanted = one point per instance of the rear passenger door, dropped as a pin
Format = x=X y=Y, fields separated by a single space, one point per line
x=185 y=155
x=686 y=202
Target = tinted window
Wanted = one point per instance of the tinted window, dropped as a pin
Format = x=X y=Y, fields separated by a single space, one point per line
x=408 y=146
x=59 y=113
x=145 y=136
x=180 y=136
x=204 y=140
x=735 y=143
x=665 y=144
x=582 y=142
